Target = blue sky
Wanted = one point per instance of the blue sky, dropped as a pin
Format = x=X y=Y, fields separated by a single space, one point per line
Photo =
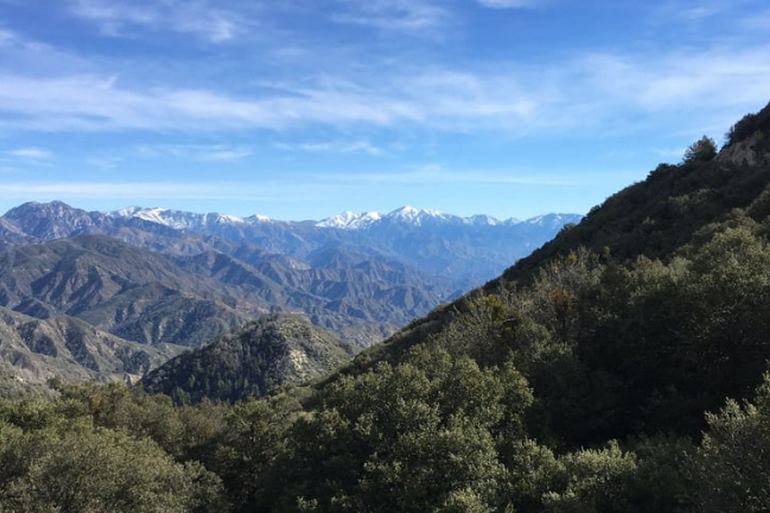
x=302 y=108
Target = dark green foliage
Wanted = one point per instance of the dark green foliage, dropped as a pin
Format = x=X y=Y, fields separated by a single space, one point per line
x=276 y=350
x=730 y=469
x=52 y=459
x=749 y=125
x=704 y=149
x=388 y=423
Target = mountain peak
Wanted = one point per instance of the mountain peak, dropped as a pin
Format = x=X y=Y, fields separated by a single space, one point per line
x=177 y=219
x=482 y=220
x=258 y=218
x=51 y=220
x=51 y=206
x=350 y=220
x=415 y=215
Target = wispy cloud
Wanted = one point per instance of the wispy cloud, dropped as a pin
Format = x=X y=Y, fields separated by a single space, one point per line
x=311 y=186
x=137 y=190
x=30 y=153
x=200 y=152
x=10 y=39
x=6 y=37
x=589 y=90
x=670 y=153
x=334 y=147
x=757 y=21
x=434 y=174
x=403 y=15
x=105 y=163
x=118 y=17
x=693 y=12
x=510 y=4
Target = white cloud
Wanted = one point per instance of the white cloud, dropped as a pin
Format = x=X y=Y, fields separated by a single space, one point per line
x=334 y=147
x=136 y=190
x=116 y=17
x=403 y=15
x=596 y=90
x=6 y=37
x=205 y=152
x=104 y=163
x=30 y=153
x=509 y=4
x=434 y=174
x=670 y=153
x=757 y=21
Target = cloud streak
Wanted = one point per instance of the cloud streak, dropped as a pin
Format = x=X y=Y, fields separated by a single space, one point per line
x=199 y=152
x=509 y=4
x=137 y=190
x=311 y=186
x=334 y=147
x=401 y=15
x=117 y=18
x=589 y=90
x=30 y=153
x=432 y=176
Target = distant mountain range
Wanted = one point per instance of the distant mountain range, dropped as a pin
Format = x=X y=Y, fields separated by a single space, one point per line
x=462 y=251
x=153 y=281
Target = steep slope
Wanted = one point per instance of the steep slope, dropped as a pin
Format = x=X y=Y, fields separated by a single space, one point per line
x=132 y=293
x=656 y=302
x=153 y=298
x=72 y=350
x=335 y=281
x=269 y=353
x=653 y=218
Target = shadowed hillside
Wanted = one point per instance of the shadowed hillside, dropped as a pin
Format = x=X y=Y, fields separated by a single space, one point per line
x=258 y=358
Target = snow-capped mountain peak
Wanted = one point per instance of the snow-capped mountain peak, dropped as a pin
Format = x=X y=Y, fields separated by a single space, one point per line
x=415 y=215
x=553 y=220
x=259 y=218
x=406 y=216
x=176 y=218
x=481 y=220
x=154 y=215
x=350 y=220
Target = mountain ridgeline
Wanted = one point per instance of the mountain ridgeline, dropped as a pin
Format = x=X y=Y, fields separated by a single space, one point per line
x=159 y=281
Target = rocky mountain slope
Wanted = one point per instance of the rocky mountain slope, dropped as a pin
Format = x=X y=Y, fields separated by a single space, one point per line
x=72 y=350
x=260 y=357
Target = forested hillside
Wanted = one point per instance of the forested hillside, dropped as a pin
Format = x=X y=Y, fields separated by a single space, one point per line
x=621 y=368
x=264 y=355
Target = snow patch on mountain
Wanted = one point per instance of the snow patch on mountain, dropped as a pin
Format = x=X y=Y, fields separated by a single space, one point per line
x=553 y=220
x=180 y=220
x=406 y=216
x=350 y=220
